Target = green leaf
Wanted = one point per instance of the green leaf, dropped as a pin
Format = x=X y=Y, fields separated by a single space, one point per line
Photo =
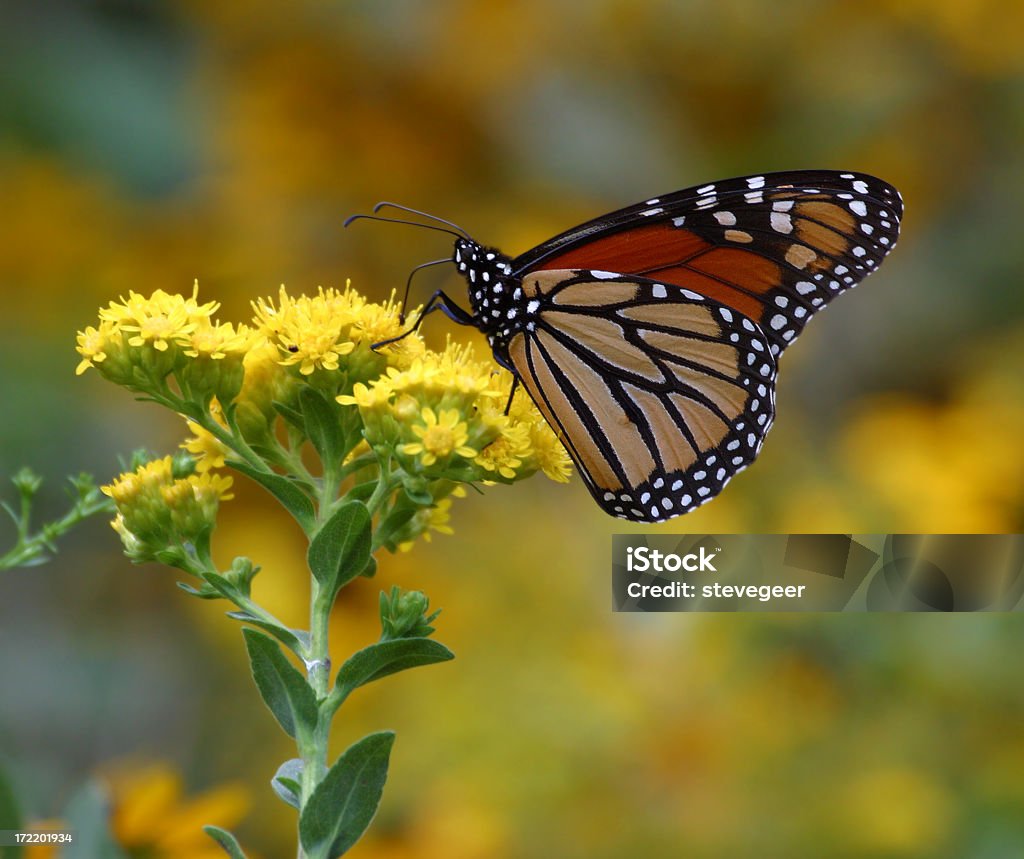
x=389 y=657
x=370 y=570
x=362 y=491
x=323 y=425
x=344 y=803
x=284 y=490
x=418 y=493
x=204 y=593
x=10 y=815
x=293 y=416
x=296 y=640
x=287 y=781
x=88 y=815
x=282 y=686
x=226 y=840
x=340 y=550
x=220 y=584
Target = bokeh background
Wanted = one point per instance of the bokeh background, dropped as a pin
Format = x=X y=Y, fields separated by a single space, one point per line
x=145 y=144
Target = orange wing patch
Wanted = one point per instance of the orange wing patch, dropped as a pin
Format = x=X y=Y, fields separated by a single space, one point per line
x=630 y=251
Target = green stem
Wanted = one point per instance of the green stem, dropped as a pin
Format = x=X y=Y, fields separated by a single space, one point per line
x=386 y=484
x=33 y=547
x=313 y=747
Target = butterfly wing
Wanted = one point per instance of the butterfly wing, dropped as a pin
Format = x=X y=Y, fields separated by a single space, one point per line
x=661 y=395
x=776 y=247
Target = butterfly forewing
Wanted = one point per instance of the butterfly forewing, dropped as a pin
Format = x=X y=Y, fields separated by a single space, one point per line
x=774 y=247
x=661 y=395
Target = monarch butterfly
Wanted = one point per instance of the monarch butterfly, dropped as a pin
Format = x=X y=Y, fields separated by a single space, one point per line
x=649 y=337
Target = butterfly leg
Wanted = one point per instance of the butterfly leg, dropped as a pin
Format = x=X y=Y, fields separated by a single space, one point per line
x=511 y=394
x=408 y=283
x=438 y=301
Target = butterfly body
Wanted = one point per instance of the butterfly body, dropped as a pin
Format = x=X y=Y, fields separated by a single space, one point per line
x=649 y=338
x=495 y=294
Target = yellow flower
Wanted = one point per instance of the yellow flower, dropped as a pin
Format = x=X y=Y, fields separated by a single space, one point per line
x=92 y=345
x=151 y=816
x=209 y=488
x=208 y=450
x=525 y=442
x=155 y=510
x=129 y=487
x=368 y=396
x=217 y=340
x=159 y=320
x=379 y=322
x=550 y=453
x=435 y=518
x=104 y=348
x=440 y=435
x=315 y=332
x=506 y=453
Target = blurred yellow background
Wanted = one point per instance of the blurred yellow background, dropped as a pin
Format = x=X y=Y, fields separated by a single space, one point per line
x=147 y=144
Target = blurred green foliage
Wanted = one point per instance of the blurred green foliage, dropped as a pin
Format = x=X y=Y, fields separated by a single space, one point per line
x=145 y=144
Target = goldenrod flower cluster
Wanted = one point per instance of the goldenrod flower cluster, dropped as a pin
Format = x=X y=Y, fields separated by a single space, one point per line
x=418 y=422
x=161 y=515
x=444 y=416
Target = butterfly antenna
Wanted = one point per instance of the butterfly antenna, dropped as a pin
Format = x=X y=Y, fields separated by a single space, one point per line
x=352 y=218
x=385 y=204
x=408 y=283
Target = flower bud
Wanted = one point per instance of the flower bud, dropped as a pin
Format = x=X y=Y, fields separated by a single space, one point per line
x=403 y=614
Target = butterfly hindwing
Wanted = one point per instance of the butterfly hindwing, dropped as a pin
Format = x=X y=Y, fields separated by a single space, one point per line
x=775 y=247
x=660 y=394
